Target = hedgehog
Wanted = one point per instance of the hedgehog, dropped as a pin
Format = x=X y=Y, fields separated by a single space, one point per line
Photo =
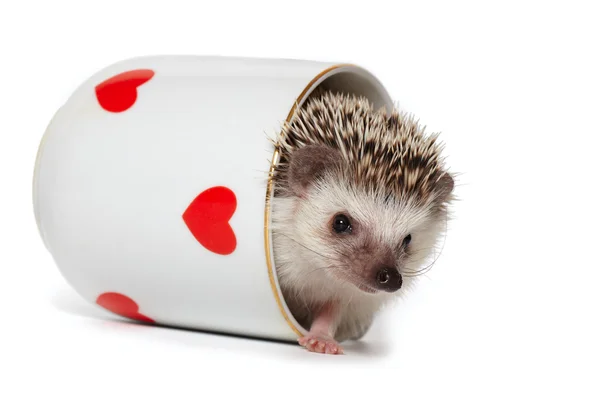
x=360 y=202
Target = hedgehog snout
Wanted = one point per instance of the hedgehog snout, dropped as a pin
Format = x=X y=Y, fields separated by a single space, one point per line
x=388 y=279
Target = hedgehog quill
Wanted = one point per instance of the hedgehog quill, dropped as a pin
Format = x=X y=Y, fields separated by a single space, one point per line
x=361 y=200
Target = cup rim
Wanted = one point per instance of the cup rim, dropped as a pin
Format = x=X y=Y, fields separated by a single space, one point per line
x=309 y=88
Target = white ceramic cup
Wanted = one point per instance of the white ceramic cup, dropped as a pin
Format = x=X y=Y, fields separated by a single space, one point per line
x=151 y=182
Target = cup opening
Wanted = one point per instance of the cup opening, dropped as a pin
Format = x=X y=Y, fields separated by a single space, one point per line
x=344 y=78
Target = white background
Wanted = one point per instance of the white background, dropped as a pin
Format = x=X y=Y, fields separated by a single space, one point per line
x=511 y=307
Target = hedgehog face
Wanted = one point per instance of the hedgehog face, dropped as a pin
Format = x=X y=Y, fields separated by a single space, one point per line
x=364 y=239
x=358 y=238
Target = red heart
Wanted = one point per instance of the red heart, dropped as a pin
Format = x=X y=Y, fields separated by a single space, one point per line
x=121 y=305
x=119 y=93
x=207 y=217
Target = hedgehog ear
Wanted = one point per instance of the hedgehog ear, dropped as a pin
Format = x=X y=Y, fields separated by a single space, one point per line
x=308 y=164
x=444 y=188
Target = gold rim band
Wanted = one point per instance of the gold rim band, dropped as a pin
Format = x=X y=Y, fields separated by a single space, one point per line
x=274 y=161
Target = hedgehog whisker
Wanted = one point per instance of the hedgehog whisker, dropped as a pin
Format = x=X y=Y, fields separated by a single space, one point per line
x=428 y=268
x=327 y=267
x=423 y=270
x=307 y=248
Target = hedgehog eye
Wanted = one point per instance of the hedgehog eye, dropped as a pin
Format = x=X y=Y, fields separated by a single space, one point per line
x=341 y=224
x=406 y=240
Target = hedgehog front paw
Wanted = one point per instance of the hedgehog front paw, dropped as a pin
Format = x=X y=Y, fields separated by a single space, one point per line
x=320 y=344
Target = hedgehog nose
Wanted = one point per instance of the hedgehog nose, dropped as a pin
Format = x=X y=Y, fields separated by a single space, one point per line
x=388 y=279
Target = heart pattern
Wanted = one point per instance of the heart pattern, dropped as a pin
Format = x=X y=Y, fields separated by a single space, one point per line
x=119 y=93
x=207 y=217
x=121 y=305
